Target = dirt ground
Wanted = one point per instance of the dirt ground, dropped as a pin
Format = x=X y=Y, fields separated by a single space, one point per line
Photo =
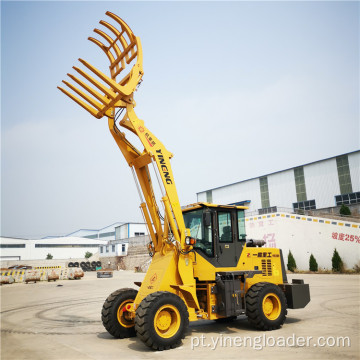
x=61 y=320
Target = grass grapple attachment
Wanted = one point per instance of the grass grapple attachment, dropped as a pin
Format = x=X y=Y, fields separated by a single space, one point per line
x=100 y=93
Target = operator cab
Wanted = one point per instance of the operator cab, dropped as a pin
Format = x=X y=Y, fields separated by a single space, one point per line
x=219 y=231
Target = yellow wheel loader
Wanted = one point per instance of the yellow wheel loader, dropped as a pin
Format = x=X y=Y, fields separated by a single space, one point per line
x=202 y=265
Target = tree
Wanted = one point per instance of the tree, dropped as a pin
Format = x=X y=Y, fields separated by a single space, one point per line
x=344 y=210
x=49 y=256
x=337 y=263
x=313 y=265
x=88 y=254
x=291 y=265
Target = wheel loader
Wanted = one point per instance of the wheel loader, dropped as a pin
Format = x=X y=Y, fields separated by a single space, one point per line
x=202 y=267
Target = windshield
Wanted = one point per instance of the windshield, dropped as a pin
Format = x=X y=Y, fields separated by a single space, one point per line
x=202 y=234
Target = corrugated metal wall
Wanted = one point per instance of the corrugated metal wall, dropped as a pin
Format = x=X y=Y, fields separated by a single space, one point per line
x=354 y=164
x=321 y=181
x=247 y=190
x=282 y=191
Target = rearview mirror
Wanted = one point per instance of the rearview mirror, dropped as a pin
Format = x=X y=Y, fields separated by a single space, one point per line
x=207 y=218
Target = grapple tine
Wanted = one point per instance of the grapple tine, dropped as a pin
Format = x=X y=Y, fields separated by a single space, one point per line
x=91 y=110
x=110 y=40
x=102 y=93
x=114 y=31
x=117 y=34
x=103 y=47
x=88 y=98
x=106 y=51
x=113 y=84
x=127 y=47
x=99 y=85
x=123 y=25
x=93 y=92
x=125 y=54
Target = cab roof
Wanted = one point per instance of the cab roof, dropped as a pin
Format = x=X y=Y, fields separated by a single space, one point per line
x=200 y=205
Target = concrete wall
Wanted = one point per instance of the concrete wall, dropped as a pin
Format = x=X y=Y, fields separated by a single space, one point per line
x=113 y=249
x=129 y=230
x=107 y=250
x=59 y=248
x=138 y=228
x=44 y=262
x=129 y=262
x=355 y=212
x=134 y=261
x=304 y=235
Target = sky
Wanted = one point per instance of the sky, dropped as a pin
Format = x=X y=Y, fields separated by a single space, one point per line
x=234 y=90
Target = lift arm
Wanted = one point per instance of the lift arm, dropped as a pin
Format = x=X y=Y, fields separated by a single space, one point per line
x=106 y=96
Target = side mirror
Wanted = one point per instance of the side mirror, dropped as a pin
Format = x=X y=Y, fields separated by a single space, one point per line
x=207 y=218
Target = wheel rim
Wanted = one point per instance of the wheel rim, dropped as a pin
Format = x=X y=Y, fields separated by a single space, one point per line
x=124 y=317
x=167 y=321
x=271 y=306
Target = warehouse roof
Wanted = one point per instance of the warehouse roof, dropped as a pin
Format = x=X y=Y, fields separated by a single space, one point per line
x=279 y=171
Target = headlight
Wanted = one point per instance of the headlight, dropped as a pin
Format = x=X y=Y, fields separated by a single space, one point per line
x=190 y=241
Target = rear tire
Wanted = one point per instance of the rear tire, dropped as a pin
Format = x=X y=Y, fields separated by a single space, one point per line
x=115 y=320
x=161 y=320
x=266 y=306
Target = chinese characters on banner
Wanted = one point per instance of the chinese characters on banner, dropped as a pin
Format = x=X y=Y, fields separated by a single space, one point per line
x=346 y=237
x=270 y=240
x=261 y=223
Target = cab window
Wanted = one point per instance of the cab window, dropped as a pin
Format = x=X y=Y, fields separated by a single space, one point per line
x=225 y=230
x=241 y=224
x=200 y=232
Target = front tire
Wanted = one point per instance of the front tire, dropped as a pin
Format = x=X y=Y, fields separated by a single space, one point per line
x=266 y=306
x=161 y=320
x=116 y=321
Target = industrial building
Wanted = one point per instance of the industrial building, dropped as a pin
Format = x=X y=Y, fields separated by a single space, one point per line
x=74 y=245
x=289 y=209
x=106 y=233
x=123 y=235
x=318 y=185
x=59 y=248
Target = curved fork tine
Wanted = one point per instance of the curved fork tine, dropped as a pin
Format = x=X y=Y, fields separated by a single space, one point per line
x=119 y=37
x=106 y=49
x=110 y=40
x=107 y=52
x=98 y=93
x=83 y=104
x=123 y=25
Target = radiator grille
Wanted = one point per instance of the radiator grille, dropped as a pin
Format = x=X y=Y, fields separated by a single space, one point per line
x=266 y=267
